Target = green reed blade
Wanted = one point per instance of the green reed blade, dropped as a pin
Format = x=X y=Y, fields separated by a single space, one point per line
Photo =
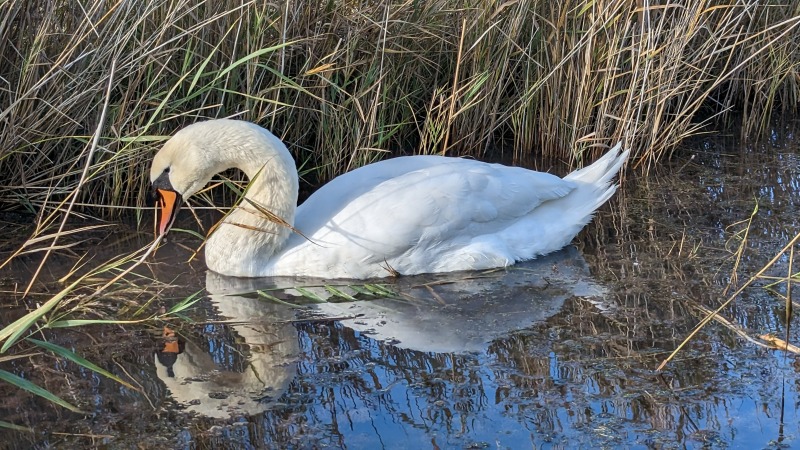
x=11 y=426
x=185 y=303
x=12 y=332
x=71 y=356
x=37 y=390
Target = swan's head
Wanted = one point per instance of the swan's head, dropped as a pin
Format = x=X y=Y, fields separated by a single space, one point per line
x=185 y=163
x=189 y=159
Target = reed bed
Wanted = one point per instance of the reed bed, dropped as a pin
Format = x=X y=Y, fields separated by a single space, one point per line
x=345 y=82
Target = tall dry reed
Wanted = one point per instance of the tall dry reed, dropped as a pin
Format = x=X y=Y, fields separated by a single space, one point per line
x=349 y=82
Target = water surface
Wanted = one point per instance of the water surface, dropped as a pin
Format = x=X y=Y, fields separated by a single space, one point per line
x=556 y=353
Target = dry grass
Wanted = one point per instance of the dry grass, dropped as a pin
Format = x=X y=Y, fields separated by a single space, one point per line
x=787 y=281
x=346 y=83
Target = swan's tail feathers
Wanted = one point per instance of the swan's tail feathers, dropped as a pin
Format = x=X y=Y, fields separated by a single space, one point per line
x=595 y=184
x=557 y=222
x=603 y=170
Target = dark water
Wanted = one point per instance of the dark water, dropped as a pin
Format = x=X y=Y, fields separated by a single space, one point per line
x=557 y=353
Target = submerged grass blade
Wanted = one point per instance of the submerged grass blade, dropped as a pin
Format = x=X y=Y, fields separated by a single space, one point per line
x=71 y=356
x=11 y=426
x=11 y=333
x=380 y=290
x=310 y=295
x=186 y=303
x=339 y=293
x=26 y=385
x=272 y=298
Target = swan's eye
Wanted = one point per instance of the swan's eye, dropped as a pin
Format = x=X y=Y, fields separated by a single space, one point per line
x=166 y=170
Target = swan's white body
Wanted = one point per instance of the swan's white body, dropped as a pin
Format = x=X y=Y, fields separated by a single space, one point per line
x=408 y=215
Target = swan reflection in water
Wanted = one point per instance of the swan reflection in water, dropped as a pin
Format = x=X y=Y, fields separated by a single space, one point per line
x=445 y=313
x=198 y=382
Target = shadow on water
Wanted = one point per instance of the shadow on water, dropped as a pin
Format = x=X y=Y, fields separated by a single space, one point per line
x=554 y=353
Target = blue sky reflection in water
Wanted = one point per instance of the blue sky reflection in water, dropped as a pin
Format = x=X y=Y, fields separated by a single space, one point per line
x=367 y=395
x=581 y=374
x=364 y=394
x=484 y=403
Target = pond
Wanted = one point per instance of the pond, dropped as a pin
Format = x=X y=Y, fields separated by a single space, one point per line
x=555 y=353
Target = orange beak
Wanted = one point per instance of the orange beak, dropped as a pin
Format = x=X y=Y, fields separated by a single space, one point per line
x=169 y=202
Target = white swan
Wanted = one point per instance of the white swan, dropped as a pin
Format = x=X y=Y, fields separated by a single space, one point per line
x=408 y=215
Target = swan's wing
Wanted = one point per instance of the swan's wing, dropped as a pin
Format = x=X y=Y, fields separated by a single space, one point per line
x=331 y=198
x=420 y=205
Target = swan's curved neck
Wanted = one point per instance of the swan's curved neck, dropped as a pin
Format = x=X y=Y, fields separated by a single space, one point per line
x=247 y=236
